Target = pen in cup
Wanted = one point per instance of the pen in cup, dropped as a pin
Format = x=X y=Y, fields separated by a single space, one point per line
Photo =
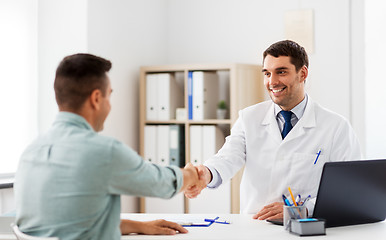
x=306 y=199
x=285 y=200
x=298 y=199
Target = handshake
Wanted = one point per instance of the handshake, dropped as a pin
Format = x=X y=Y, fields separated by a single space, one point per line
x=195 y=179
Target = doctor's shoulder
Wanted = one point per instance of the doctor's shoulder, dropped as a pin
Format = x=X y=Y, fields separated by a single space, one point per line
x=328 y=117
x=260 y=108
x=256 y=112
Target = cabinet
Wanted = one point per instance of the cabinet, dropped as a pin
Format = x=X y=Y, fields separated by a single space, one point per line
x=239 y=85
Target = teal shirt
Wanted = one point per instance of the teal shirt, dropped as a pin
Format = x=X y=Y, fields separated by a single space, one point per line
x=69 y=181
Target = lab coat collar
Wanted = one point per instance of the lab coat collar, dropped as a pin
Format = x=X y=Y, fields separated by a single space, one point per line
x=307 y=121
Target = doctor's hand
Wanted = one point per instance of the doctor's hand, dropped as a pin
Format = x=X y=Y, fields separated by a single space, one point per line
x=191 y=178
x=271 y=211
x=204 y=176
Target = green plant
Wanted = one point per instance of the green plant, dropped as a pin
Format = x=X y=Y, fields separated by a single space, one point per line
x=222 y=105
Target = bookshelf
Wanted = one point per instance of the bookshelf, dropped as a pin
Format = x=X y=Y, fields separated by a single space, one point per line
x=240 y=85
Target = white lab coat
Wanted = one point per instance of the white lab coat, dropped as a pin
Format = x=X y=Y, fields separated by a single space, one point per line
x=272 y=164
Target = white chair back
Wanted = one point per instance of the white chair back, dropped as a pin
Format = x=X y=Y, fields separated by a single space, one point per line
x=22 y=236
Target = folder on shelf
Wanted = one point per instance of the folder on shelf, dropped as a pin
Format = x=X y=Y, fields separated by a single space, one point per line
x=150 y=143
x=212 y=141
x=196 y=144
x=190 y=95
x=151 y=96
x=163 y=96
x=205 y=95
x=177 y=145
x=163 y=145
x=170 y=96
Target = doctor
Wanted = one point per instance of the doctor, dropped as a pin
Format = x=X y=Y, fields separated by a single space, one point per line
x=283 y=142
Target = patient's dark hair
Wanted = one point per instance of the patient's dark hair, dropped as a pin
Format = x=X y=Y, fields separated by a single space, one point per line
x=298 y=55
x=77 y=76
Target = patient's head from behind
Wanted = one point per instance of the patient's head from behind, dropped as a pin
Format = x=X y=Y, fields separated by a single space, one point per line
x=82 y=86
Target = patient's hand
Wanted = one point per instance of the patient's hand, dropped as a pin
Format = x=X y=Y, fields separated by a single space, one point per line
x=156 y=227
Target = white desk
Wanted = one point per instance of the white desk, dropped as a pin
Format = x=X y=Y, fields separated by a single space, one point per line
x=244 y=227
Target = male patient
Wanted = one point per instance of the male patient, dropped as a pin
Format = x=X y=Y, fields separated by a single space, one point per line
x=69 y=180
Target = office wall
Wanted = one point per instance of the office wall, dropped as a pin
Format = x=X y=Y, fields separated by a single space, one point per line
x=62 y=30
x=18 y=24
x=130 y=34
x=375 y=81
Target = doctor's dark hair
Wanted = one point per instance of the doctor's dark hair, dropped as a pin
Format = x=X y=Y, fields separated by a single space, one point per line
x=77 y=76
x=297 y=53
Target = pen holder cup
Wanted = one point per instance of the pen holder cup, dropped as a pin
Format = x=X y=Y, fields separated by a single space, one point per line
x=293 y=212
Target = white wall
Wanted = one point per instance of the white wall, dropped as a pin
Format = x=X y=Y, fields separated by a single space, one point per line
x=375 y=80
x=62 y=30
x=130 y=34
x=18 y=64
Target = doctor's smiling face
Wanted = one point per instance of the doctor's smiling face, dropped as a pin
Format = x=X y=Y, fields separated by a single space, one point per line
x=285 y=84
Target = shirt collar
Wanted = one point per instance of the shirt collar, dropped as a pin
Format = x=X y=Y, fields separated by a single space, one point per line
x=73 y=118
x=298 y=110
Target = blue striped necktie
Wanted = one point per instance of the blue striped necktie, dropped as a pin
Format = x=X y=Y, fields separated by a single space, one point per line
x=287 y=124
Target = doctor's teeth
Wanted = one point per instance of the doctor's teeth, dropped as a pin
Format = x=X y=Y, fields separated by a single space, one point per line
x=277 y=90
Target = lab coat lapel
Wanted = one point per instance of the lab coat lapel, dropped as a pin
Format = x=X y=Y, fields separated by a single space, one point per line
x=271 y=126
x=307 y=121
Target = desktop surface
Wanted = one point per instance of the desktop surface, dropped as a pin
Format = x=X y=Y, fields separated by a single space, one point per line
x=246 y=228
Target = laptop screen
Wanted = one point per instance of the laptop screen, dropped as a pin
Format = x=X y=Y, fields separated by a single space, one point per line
x=352 y=192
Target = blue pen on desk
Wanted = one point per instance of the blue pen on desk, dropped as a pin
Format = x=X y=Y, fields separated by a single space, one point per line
x=211 y=220
x=222 y=222
x=320 y=150
x=215 y=221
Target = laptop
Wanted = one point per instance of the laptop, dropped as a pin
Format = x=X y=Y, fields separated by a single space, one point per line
x=352 y=192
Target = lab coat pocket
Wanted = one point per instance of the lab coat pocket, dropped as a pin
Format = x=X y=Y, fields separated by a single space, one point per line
x=304 y=175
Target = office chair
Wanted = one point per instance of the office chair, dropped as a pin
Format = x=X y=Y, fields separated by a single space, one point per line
x=22 y=236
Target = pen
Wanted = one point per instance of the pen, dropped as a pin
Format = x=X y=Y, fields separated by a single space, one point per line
x=292 y=196
x=320 y=150
x=306 y=199
x=298 y=199
x=211 y=220
x=222 y=222
x=286 y=202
